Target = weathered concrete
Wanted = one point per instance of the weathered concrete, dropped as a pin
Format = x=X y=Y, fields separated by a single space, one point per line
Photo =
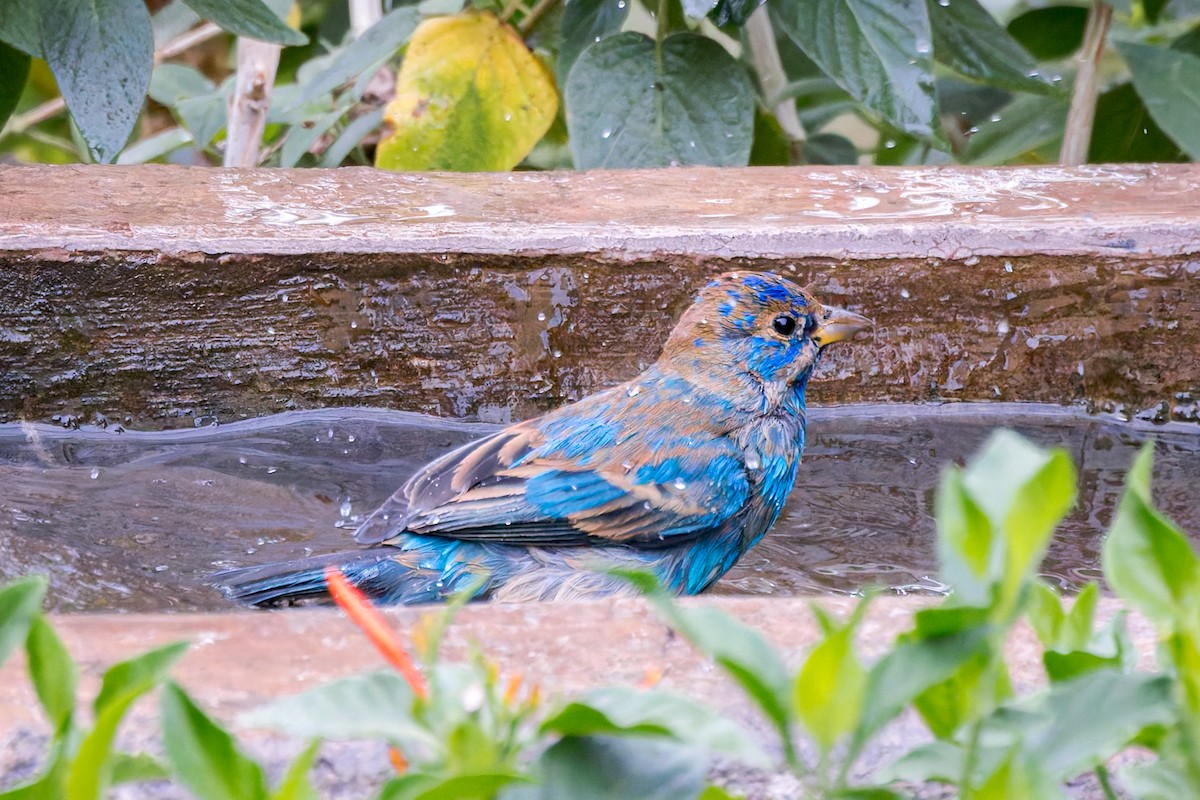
x=167 y=295
x=241 y=660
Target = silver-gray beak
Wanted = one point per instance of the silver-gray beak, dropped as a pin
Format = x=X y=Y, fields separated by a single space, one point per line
x=837 y=324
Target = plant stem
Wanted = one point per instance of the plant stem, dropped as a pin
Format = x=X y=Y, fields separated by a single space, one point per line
x=772 y=80
x=251 y=100
x=531 y=19
x=364 y=14
x=965 y=790
x=1077 y=135
x=1105 y=784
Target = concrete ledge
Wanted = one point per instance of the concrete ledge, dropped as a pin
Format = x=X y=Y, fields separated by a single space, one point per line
x=241 y=660
x=162 y=296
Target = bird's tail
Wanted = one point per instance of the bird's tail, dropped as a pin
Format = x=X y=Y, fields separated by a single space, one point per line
x=373 y=571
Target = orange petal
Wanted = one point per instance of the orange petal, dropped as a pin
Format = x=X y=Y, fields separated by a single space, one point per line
x=375 y=626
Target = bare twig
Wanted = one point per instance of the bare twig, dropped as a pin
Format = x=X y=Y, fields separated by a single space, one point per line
x=364 y=14
x=772 y=80
x=251 y=99
x=1077 y=136
x=535 y=13
x=186 y=41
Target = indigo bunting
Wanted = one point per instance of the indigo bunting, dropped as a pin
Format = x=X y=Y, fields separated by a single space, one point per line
x=677 y=472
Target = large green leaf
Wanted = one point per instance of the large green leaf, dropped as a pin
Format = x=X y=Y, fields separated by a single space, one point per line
x=632 y=103
x=367 y=53
x=623 y=710
x=203 y=755
x=830 y=687
x=14 y=66
x=1146 y=559
x=20 y=602
x=122 y=684
x=53 y=673
x=296 y=784
x=374 y=706
x=619 y=768
x=965 y=540
x=1028 y=123
x=879 y=52
x=469 y=97
x=967 y=38
x=251 y=18
x=21 y=27
x=584 y=23
x=1165 y=79
x=1051 y=32
x=742 y=652
x=101 y=53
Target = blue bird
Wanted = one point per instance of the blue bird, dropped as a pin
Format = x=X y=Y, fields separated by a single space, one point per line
x=679 y=472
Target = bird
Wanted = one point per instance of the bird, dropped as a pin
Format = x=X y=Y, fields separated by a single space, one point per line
x=677 y=472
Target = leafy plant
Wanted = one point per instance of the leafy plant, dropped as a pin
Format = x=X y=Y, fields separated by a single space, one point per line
x=495 y=84
x=457 y=730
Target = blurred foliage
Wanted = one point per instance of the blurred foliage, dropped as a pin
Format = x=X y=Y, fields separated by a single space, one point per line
x=462 y=730
x=543 y=84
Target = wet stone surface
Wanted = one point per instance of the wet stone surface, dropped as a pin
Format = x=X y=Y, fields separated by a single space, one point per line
x=137 y=521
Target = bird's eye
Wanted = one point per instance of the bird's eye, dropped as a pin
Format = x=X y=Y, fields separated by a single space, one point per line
x=784 y=325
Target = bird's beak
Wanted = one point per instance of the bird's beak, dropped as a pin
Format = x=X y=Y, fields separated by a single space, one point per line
x=838 y=324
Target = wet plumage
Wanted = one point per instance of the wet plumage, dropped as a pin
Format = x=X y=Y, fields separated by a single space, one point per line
x=679 y=471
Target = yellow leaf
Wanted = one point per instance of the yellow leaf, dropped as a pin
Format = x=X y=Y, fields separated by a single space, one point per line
x=469 y=97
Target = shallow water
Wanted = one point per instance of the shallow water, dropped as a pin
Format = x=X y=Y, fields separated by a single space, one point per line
x=137 y=521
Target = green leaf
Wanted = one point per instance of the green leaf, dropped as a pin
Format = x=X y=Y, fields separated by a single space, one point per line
x=1124 y=131
x=101 y=53
x=366 y=54
x=420 y=786
x=1018 y=776
x=159 y=145
x=469 y=97
x=1045 y=613
x=967 y=38
x=21 y=27
x=20 y=602
x=171 y=83
x=619 y=768
x=1063 y=666
x=203 y=755
x=976 y=686
x=934 y=762
x=53 y=673
x=584 y=23
x=1164 y=80
x=830 y=149
x=627 y=107
x=1050 y=33
x=350 y=137
x=374 y=706
x=911 y=667
x=14 y=66
x=965 y=540
x=620 y=710
x=1028 y=123
x=1147 y=561
x=137 y=767
x=1077 y=627
x=251 y=18
x=295 y=784
x=829 y=689
x=742 y=652
x=204 y=116
x=122 y=684
x=878 y=52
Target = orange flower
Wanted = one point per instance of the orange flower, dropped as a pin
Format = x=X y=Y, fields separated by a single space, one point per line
x=375 y=626
x=399 y=762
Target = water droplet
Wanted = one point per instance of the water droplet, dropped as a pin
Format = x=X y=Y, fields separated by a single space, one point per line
x=508 y=117
x=922 y=46
x=557 y=354
x=541 y=316
x=95 y=473
x=272 y=470
x=1008 y=266
x=353 y=323
x=161 y=568
x=633 y=391
x=944 y=3
x=904 y=293
x=597 y=38
x=1033 y=74
x=691 y=143
x=889 y=144
x=752 y=462
x=350 y=438
x=972 y=129
x=271 y=331
x=344 y=508
x=607 y=132
x=620 y=3
x=995 y=117
x=680 y=484
x=1002 y=327
x=241 y=459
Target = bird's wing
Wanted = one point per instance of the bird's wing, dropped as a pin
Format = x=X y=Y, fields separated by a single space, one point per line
x=576 y=485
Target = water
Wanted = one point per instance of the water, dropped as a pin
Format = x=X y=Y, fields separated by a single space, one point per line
x=138 y=521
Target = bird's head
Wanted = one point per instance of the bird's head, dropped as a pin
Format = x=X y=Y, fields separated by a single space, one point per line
x=760 y=328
